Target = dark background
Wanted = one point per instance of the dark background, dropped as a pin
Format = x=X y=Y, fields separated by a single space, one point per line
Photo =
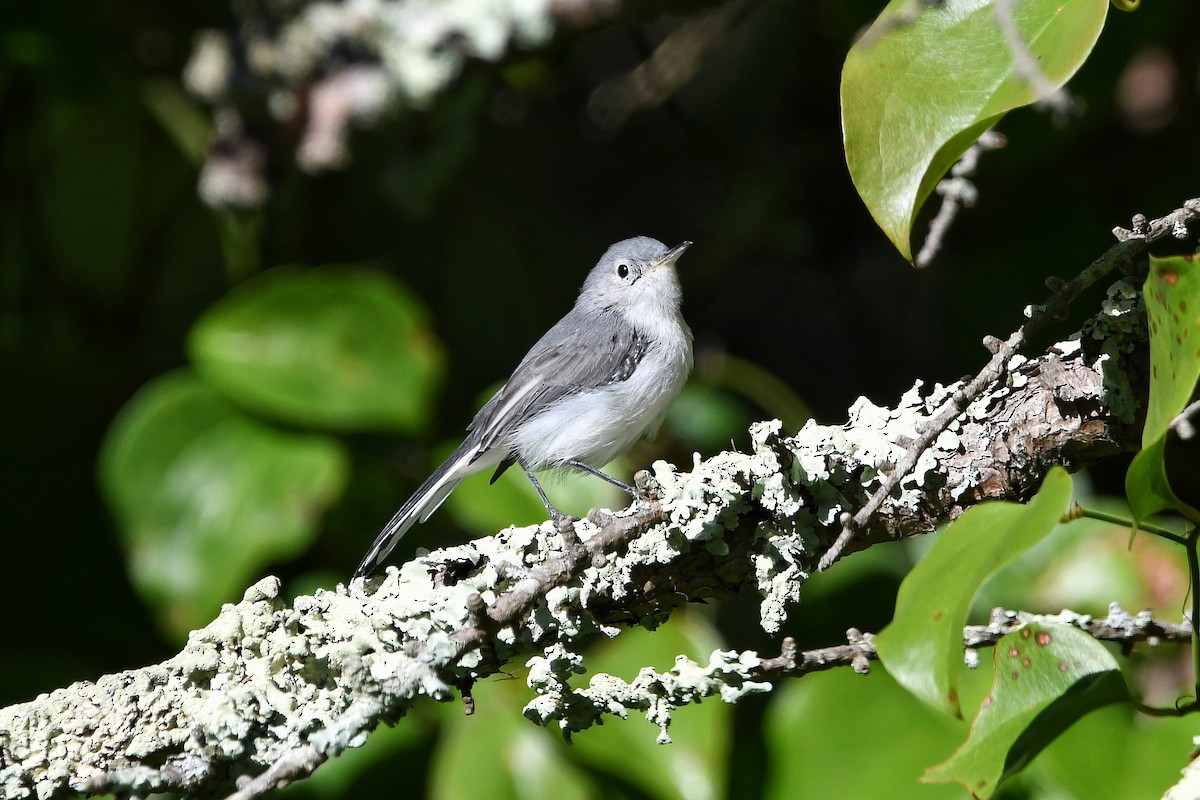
x=492 y=205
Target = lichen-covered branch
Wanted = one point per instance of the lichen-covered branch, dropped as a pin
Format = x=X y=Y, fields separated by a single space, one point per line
x=271 y=689
x=731 y=675
x=967 y=393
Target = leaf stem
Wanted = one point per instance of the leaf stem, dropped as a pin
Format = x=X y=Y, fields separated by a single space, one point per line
x=1175 y=711
x=1077 y=511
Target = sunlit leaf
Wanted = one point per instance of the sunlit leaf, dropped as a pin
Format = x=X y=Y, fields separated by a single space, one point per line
x=1146 y=484
x=1117 y=753
x=205 y=495
x=1172 y=297
x=916 y=97
x=1046 y=677
x=922 y=647
x=333 y=347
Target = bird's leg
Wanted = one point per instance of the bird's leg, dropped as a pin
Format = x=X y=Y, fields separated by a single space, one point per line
x=554 y=513
x=624 y=487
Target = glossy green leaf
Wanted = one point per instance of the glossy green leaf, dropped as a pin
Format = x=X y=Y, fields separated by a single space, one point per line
x=922 y=647
x=1172 y=297
x=332 y=347
x=1046 y=677
x=915 y=97
x=205 y=495
x=1146 y=484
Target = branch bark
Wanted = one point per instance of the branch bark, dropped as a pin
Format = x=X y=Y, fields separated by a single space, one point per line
x=270 y=689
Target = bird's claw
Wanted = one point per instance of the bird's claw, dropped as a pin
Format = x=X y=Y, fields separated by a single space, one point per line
x=647 y=487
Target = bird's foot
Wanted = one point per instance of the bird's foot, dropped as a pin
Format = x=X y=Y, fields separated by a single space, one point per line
x=562 y=521
x=565 y=524
x=647 y=488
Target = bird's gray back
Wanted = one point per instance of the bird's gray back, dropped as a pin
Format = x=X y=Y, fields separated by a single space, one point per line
x=586 y=349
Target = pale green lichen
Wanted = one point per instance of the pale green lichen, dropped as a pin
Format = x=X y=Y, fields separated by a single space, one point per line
x=728 y=675
x=266 y=676
x=1116 y=332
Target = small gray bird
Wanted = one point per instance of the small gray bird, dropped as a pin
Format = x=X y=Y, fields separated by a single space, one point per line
x=599 y=380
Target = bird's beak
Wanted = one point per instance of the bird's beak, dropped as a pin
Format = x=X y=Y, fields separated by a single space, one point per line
x=673 y=254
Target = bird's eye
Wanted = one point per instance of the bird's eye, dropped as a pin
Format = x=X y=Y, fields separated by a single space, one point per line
x=622 y=271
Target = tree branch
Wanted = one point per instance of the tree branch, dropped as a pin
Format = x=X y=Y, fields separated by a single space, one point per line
x=731 y=675
x=269 y=690
x=1120 y=256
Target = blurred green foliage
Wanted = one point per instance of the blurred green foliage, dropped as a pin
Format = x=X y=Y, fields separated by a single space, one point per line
x=333 y=348
x=485 y=212
x=205 y=495
x=922 y=647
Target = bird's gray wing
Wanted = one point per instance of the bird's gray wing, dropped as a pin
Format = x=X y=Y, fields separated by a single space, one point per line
x=583 y=351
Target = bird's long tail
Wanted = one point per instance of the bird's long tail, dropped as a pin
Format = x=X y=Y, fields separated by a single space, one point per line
x=424 y=501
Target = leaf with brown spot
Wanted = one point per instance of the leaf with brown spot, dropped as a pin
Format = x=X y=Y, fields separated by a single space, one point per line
x=922 y=647
x=1030 y=705
x=1174 y=369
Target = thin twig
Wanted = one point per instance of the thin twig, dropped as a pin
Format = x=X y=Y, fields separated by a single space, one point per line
x=1130 y=244
x=1194 y=583
x=292 y=765
x=957 y=192
x=1078 y=512
x=672 y=64
x=1026 y=67
x=1119 y=626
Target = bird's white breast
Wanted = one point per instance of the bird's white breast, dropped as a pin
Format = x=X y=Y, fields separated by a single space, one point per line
x=598 y=425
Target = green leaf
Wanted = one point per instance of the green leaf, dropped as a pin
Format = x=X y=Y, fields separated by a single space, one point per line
x=333 y=347
x=1172 y=297
x=922 y=647
x=915 y=98
x=1046 y=677
x=1146 y=484
x=1116 y=753
x=205 y=496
